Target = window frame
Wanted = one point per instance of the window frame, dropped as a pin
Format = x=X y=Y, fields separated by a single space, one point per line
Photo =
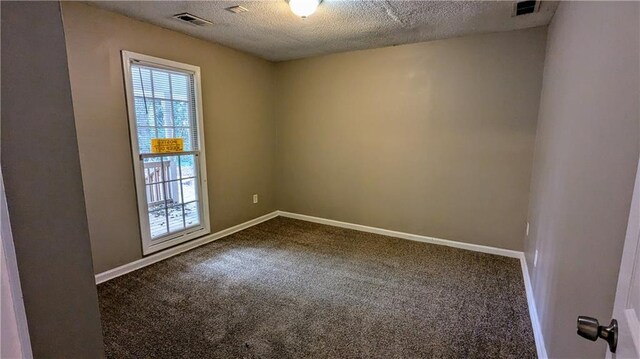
x=150 y=246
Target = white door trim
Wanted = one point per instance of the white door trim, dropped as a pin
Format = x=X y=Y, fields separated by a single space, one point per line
x=15 y=290
x=629 y=252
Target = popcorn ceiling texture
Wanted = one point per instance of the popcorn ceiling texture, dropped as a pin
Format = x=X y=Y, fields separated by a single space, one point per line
x=271 y=31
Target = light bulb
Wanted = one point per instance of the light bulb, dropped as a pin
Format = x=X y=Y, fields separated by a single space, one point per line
x=303 y=8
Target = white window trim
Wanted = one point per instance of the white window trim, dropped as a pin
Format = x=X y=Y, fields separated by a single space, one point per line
x=149 y=246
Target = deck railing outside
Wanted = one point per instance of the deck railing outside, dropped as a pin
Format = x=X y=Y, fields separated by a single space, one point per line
x=158 y=174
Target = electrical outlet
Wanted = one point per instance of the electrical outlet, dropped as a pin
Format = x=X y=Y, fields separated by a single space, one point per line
x=527 y=229
x=255 y=198
x=535 y=259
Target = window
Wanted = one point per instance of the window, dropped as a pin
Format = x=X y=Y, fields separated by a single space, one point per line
x=165 y=120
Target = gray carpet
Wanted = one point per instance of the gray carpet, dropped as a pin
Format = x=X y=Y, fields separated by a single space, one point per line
x=293 y=289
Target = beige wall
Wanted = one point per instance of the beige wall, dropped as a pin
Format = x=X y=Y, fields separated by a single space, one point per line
x=585 y=164
x=238 y=127
x=43 y=187
x=433 y=138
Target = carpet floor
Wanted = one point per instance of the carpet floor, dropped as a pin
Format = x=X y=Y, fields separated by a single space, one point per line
x=293 y=289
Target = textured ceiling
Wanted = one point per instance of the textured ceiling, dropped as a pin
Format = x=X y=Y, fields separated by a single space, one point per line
x=271 y=31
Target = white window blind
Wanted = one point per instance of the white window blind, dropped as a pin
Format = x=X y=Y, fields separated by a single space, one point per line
x=164 y=106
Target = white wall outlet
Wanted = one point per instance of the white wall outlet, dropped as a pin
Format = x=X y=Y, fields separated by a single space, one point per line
x=255 y=198
x=535 y=259
x=527 y=229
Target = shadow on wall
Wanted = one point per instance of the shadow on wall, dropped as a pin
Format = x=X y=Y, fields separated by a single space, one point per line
x=52 y=246
x=586 y=157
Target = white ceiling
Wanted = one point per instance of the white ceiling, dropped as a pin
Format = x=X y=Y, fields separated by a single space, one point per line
x=271 y=31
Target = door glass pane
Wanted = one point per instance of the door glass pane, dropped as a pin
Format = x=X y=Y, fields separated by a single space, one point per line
x=186 y=135
x=171 y=187
x=176 y=220
x=145 y=134
x=163 y=107
x=181 y=116
x=170 y=173
x=161 y=87
x=155 y=197
x=180 y=87
x=163 y=113
x=158 y=223
x=153 y=170
x=145 y=115
x=189 y=190
x=141 y=81
x=188 y=166
x=192 y=214
x=165 y=132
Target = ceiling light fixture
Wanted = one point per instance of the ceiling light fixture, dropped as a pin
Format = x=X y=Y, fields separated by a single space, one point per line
x=304 y=8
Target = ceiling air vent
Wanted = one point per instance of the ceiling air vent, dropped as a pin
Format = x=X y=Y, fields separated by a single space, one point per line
x=237 y=9
x=192 y=19
x=525 y=7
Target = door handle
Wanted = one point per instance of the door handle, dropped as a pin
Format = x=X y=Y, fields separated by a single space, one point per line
x=589 y=328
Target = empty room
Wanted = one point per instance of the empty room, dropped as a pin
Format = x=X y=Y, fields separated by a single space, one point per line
x=320 y=179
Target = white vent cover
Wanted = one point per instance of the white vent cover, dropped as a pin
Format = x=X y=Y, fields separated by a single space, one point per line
x=524 y=7
x=192 y=19
x=237 y=9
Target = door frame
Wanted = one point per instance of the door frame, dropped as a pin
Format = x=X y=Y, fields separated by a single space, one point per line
x=630 y=259
x=11 y=287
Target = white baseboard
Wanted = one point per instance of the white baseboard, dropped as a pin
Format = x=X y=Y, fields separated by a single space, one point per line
x=537 y=332
x=533 y=314
x=170 y=252
x=403 y=235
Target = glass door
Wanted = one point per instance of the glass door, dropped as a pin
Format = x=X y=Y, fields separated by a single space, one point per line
x=165 y=119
